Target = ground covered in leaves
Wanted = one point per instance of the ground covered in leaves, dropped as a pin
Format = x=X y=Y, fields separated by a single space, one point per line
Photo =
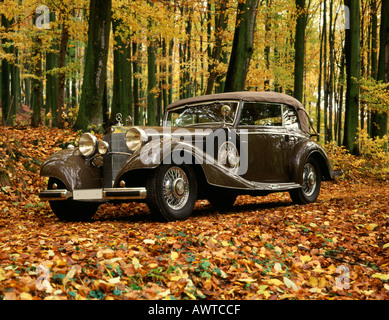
x=264 y=248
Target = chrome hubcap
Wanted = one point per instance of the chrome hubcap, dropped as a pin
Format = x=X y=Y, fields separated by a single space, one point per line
x=176 y=188
x=309 y=178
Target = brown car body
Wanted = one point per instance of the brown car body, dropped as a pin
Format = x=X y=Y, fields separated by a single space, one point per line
x=276 y=158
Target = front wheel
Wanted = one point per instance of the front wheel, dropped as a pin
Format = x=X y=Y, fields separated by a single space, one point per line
x=311 y=184
x=172 y=192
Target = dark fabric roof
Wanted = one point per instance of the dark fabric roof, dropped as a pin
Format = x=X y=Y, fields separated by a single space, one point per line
x=252 y=96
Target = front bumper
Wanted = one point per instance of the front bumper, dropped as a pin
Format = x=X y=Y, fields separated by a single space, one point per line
x=105 y=194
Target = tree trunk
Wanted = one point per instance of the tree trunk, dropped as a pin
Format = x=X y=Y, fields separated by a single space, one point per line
x=318 y=105
x=122 y=88
x=90 y=112
x=135 y=69
x=37 y=86
x=267 y=47
x=61 y=115
x=52 y=81
x=5 y=80
x=214 y=60
x=299 y=46
x=380 y=120
x=325 y=72
x=331 y=42
x=242 y=47
x=152 y=85
x=353 y=67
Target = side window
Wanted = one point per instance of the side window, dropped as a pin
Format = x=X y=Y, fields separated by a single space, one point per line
x=290 y=118
x=261 y=114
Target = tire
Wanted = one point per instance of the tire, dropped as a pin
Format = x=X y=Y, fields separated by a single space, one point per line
x=311 y=184
x=71 y=210
x=221 y=201
x=172 y=192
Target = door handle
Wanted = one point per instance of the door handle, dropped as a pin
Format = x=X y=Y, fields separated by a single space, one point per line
x=289 y=138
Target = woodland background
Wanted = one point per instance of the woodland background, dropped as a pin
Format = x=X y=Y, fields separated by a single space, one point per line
x=97 y=58
x=77 y=64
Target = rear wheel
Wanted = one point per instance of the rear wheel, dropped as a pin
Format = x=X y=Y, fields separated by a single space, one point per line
x=311 y=184
x=172 y=192
x=71 y=210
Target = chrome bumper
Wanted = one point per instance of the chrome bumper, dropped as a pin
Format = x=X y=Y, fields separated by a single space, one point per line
x=95 y=194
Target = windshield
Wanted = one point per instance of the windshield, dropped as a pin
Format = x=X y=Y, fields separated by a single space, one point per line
x=202 y=114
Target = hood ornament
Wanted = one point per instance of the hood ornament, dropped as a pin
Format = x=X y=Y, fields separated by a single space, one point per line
x=119 y=119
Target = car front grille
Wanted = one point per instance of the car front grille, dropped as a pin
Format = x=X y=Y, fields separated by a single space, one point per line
x=114 y=162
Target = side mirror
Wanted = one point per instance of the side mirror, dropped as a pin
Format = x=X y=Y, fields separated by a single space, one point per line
x=225 y=111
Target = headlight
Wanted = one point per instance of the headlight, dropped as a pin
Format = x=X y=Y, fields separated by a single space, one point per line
x=87 y=144
x=135 y=138
x=103 y=147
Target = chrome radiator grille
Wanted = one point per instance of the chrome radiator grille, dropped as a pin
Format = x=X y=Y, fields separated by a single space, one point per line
x=114 y=162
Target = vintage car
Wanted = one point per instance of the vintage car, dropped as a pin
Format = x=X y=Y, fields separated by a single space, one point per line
x=212 y=147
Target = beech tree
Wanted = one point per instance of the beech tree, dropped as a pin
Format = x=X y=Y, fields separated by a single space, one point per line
x=353 y=66
x=122 y=74
x=299 y=46
x=90 y=112
x=242 y=46
x=380 y=119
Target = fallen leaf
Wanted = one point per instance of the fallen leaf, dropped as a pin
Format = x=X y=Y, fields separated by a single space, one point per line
x=149 y=241
x=290 y=284
x=371 y=226
x=25 y=296
x=275 y=282
x=383 y=277
x=277 y=267
x=305 y=259
x=174 y=255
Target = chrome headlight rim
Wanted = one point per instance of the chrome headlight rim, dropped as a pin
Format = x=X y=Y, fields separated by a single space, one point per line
x=87 y=144
x=135 y=138
x=103 y=147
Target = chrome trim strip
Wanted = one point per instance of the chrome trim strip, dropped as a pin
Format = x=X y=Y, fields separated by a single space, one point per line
x=124 y=193
x=60 y=194
x=108 y=194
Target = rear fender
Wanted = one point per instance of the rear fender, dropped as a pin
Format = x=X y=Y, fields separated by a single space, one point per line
x=72 y=169
x=301 y=153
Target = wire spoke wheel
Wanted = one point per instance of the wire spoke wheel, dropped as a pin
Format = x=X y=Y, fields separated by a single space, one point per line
x=172 y=192
x=175 y=188
x=311 y=183
x=310 y=180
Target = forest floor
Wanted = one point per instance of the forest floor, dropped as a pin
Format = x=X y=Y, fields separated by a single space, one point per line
x=264 y=248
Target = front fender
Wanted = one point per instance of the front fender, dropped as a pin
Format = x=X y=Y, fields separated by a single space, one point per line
x=72 y=169
x=301 y=153
x=177 y=151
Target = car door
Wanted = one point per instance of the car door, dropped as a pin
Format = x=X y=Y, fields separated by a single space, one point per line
x=263 y=124
x=292 y=135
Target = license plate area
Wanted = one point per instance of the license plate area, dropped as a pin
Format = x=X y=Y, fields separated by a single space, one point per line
x=88 y=194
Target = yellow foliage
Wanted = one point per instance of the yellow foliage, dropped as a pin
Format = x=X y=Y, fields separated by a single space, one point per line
x=373 y=159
